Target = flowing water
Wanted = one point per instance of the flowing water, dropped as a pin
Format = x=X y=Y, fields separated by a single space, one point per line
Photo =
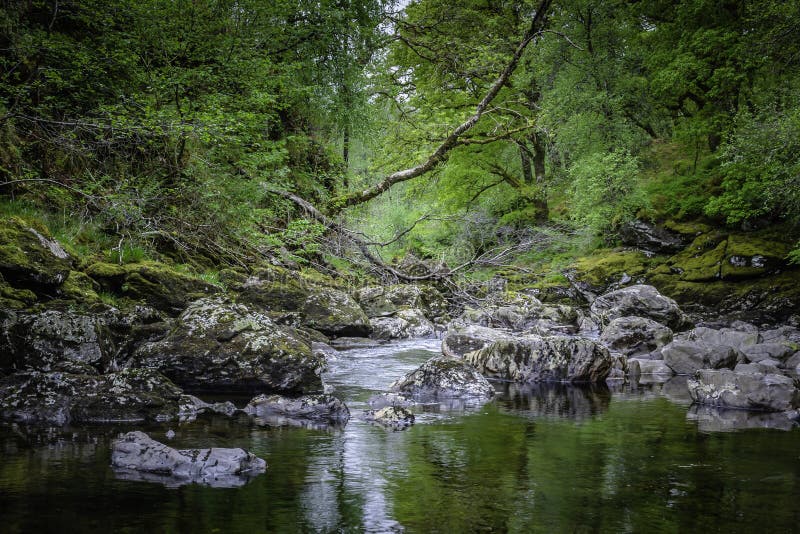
x=536 y=459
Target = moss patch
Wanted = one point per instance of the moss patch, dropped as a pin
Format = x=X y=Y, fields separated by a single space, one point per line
x=29 y=257
x=606 y=267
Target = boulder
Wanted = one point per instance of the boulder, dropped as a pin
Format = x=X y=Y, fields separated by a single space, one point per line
x=138 y=452
x=764 y=351
x=635 y=336
x=781 y=334
x=441 y=378
x=43 y=341
x=652 y=367
x=30 y=258
x=745 y=391
x=276 y=410
x=334 y=313
x=758 y=368
x=379 y=301
x=650 y=237
x=219 y=346
x=524 y=313
x=403 y=324
x=460 y=340
x=638 y=301
x=392 y=417
x=350 y=343
x=731 y=337
x=158 y=284
x=131 y=395
x=686 y=357
x=543 y=359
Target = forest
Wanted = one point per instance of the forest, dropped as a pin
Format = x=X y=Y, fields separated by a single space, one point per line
x=491 y=133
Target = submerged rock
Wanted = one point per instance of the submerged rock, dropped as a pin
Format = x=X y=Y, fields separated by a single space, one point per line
x=223 y=347
x=686 y=357
x=131 y=395
x=392 y=417
x=277 y=410
x=441 y=378
x=745 y=391
x=634 y=336
x=638 y=301
x=543 y=359
x=138 y=452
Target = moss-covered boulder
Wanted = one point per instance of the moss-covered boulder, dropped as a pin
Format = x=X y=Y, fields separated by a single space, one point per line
x=220 y=346
x=158 y=284
x=15 y=298
x=748 y=256
x=30 y=257
x=80 y=288
x=444 y=378
x=403 y=324
x=380 y=301
x=638 y=301
x=60 y=398
x=334 y=313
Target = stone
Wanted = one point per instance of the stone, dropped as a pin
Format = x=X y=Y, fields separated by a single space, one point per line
x=652 y=367
x=350 y=343
x=403 y=324
x=793 y=361
x=649 y=237
x=635 y=336
x=276 y=410
x=543 y=359
x=441 y=378
x=638 y=301
x=131 y=395
x=459 y=340
x=379 y=301
x=520 y=312
x=781 y=334
x=30 y=258
x=686 y=357
x=745 y=391
x=138 y=452
x=392 y=417
x=730 y=337
x=43 y=341
x=218 y=346
x=334 y=313
x=763 y=351
x=757 y=368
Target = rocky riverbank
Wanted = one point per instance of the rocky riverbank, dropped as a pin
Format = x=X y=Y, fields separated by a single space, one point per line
x=84 y=342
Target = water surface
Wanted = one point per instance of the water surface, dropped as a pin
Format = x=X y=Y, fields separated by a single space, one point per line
x=537 y=459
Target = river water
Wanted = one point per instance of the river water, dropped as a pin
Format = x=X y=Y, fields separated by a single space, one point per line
x=633 y=458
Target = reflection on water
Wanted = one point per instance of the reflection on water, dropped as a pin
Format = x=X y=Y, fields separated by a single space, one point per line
x=548 y=458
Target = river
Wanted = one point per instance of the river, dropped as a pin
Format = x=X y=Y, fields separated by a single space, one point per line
x=630 y=458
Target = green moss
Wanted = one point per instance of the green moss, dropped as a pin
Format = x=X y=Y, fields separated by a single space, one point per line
x=692 y=229
x=102 y=270
x=702 y=267
x=29 y=256
x=605 y=267
x=78 y=286
x=750 y=256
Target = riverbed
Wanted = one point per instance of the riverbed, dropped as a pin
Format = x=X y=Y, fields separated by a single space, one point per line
x=547 y=458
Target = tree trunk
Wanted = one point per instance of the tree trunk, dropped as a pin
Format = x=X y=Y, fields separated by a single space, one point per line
x=539 y=153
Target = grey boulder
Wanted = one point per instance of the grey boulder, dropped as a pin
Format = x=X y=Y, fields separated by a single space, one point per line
x=442 y=378
x=686 y=357
x=391 y=417
x=745 y=391
x=634 y=336
x=276 y=410
x=402 y=324
x=461 y=339
x=138 y=452
x=638 y=301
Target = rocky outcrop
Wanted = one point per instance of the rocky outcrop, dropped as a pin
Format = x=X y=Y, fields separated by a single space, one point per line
x=155 y=283
x=745 y=391
x=276 y=410
x=460 y=339
x=649 y=237
x=739 y=338
x=442 y=378
x=131 y=395
x=30 y=258
x=686 y=357
x=523 y=313
x=223 y=347
x=650 y=367
x=403 y=324
x=543 y=359
x=138 y=452
x=638 y=301
x=392 y=417
x=635 y=336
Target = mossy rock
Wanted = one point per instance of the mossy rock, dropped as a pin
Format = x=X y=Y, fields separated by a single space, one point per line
x=13 y=298
x=704 y=266
x=750 y=256
x=80 y=287
x=690 y=229
x=158 y=284
x=30 y=257
x=607 y=267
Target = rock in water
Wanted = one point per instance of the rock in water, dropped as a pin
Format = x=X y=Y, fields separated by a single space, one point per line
x=60 y=398
x=403 y=324
x=745 y=391
x=393 y=417
x=444 y=378
x=222 y=347
x=543 y=359
x=686 y=357
x=638 y=301
x=138 y=452
x=276 y=410
x=460 y=340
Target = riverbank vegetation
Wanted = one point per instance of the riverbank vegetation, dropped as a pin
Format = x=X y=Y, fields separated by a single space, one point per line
x=519 y=138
